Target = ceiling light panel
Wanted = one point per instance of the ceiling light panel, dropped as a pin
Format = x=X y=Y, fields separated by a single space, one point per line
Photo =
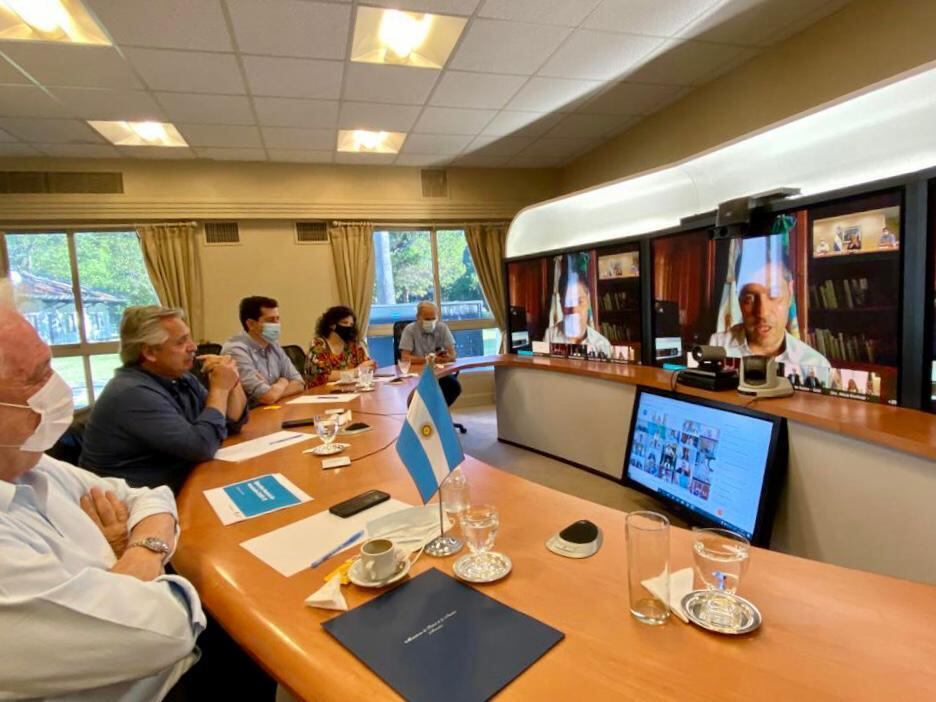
x=400 y=38
x=139 y=133
x=49 y=20
x=369 y=142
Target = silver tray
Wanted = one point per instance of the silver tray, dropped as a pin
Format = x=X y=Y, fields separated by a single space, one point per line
x=750 y=616
x=502 y=561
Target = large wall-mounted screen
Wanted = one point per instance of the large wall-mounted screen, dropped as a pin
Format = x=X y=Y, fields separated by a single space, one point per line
x=818 y=289
x=582 y=304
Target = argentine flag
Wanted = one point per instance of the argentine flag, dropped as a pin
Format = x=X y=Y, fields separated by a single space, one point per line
x=428 y=444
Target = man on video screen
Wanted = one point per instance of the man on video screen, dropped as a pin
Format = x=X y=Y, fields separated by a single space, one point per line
x=574 y=325
x=764 y=287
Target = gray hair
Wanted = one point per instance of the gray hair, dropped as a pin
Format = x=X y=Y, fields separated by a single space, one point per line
x=6 y=293
x=423 y=305
x=142 y=326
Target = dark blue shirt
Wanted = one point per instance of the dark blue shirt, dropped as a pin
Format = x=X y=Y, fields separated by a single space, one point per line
x=151 y=430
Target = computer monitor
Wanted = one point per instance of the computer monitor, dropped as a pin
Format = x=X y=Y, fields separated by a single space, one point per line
x=717 y=464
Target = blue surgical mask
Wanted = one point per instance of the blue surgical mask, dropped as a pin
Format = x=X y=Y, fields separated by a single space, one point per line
x=271 y=331
x=429 y=325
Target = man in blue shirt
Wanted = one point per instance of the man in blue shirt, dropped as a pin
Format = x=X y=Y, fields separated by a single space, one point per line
x=154 y=421
x=428 y=335
x=265 y=370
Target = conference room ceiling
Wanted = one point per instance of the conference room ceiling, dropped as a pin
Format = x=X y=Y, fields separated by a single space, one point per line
x=530 y=83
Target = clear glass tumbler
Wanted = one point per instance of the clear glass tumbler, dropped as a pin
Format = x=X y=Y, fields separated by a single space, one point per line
x=721 y=559
x=648 y=566
x=326 y=426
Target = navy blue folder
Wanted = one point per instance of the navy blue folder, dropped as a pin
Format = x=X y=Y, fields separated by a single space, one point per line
x=434 y=638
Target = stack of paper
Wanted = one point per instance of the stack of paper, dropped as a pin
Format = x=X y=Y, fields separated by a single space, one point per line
x=258 y=447
x=324 y=399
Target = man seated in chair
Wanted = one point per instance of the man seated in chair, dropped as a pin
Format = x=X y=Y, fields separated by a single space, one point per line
x=429 y=335
x=265 y=370
x=86 y=609
x=154 y=421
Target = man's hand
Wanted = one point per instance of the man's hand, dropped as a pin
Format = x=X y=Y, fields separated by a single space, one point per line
x=223 y=374
x=110 y=515
x=140 y=563
x=369 y=363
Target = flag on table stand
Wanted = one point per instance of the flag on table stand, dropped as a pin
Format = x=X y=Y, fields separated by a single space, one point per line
x=428 y=444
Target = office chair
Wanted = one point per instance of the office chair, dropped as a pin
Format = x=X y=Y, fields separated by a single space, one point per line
x=203 y=350
x=297 y=356
x=398 y=328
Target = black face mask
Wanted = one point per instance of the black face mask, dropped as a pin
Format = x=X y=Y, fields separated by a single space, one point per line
x=346 y=333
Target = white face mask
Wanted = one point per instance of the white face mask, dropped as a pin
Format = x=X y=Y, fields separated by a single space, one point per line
x=55 y=407
x=429 y=325
x=409 y=529
x=572 y=326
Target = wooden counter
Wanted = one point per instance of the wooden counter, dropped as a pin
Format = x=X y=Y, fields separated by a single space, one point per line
x=829 y=632
x=899 y=428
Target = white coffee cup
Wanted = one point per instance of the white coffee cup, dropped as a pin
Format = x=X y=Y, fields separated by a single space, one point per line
x=380 y=559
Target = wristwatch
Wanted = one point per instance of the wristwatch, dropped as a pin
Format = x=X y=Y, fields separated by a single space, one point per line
x=154 y=544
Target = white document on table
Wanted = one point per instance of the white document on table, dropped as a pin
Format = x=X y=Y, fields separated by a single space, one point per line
x=324 y=399
x=252 y=498
x=258 y=447
x=291 y=549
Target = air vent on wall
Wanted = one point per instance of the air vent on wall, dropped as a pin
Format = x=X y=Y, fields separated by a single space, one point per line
x=311 y=233
x=30 y=182
x=434 y=182
x=222 y=233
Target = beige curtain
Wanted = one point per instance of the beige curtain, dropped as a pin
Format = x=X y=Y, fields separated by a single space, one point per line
x=352 y=246
x=487 y=243
x=171 y=255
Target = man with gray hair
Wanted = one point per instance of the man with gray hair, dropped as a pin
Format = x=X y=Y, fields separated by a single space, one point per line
x=86 y=609
x=154 y=420
x=427 y=335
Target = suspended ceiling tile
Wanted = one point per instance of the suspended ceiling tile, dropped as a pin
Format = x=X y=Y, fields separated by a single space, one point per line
x=480 y=161
x=449 y=120
x=156 y=153
x=29 y=101
x=51 y=131
x=492 y=46
x=306 y=139
x=443 y=7
x=594 y=55
x=517 y=123
x=401 y=85
x=365 y=159
x=498 y=146
x=423 y=160
x=434 y=144
x=478 y=90
x=377 y=116
x=688 y=63
x=206 y=109
x=78 y=150
x=650 y=17
x=235 y=154
x=188 y=71
x=300 y=156
x=73 y=65
x=756 y=22
x=220 y=135
x=92 y=103
x=167 y=24
x=293 y=112
x=291 y=27
x=10 y=75
x=566 y=13
x=10 y=149
x=289 y=77
x=553 y=94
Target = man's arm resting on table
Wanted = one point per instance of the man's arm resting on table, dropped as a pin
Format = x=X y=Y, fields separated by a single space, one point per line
x=281 y=388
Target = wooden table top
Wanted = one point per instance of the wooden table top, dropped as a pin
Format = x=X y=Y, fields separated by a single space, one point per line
x=828 y=632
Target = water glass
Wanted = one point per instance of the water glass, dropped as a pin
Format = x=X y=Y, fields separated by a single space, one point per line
x=404 y=366
x=347 y=377
x=326 y=426
x=721 y=559
x=648 y=560
x=455 y=494
x=366 y=376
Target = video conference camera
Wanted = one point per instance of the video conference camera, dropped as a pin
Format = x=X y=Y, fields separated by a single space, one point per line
x=733 y=217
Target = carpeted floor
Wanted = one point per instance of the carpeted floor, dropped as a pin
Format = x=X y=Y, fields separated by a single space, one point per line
x=481 y=442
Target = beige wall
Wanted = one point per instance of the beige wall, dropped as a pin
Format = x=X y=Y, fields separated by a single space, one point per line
x=865 y=42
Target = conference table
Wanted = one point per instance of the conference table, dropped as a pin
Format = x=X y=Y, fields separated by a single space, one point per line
x=828 y=632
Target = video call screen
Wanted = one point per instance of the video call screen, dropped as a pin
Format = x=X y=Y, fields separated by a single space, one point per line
x=583 y=304
x=817 y=289
x=710 y=461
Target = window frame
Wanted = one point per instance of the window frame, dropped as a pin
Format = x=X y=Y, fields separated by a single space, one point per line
x=381 y=330
x=84 y=348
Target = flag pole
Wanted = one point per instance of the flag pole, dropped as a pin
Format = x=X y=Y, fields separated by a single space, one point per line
x=443 y=545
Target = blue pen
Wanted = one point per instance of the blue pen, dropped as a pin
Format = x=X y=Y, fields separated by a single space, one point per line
x=340 y=547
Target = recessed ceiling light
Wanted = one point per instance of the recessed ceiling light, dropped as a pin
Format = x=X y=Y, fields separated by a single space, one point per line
x=49 y=20
x=140 y=133
x=366 y=142
x=404 y=38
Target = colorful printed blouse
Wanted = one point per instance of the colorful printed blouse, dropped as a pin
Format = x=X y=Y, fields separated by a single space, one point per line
x=322 y=361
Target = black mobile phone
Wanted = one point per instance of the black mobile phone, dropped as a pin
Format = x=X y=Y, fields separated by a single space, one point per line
x=292 y=423
x=355 y=428
x=359 y=503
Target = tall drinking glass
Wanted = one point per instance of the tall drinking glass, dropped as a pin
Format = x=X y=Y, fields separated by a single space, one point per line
x=721 y=559
x=366 y=376
x=479 y=526
x=648 y=559
x=326 y=426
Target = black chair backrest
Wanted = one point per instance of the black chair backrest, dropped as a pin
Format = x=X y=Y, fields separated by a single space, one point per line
x=68 y=447
x=297 y=356
x=398 y=328
x=208 y=348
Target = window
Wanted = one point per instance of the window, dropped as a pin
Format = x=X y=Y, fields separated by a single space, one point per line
x=428 y=264
x=73 y=287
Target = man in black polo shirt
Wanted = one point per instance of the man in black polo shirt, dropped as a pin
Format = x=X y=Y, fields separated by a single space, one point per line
x=154 y=421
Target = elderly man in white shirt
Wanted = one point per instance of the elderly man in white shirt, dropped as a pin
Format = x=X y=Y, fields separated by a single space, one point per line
x=86 y=609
